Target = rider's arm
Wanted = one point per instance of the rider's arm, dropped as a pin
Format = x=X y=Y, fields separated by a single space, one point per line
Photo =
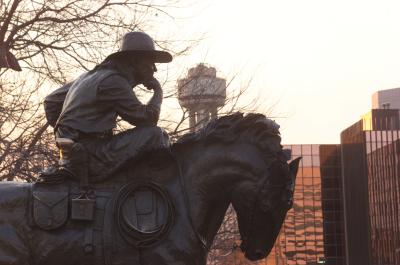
x=117 y=92
x=53 y=103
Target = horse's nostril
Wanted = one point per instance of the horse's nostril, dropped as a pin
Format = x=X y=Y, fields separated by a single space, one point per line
x=255 y=255
x=258 y=254
x=243 y=246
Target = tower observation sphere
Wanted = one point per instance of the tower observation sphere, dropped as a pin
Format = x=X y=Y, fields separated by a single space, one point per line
x=201 y=92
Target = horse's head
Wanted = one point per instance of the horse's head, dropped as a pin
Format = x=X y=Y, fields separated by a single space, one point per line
x=261 y=190
x=261 y=207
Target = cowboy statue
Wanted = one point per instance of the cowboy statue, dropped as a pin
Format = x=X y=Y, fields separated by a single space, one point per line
x=84 y=112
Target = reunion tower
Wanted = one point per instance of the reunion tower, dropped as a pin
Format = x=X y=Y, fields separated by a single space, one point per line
x=201 y=93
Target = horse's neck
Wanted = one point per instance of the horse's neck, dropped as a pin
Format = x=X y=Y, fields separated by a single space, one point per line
x=210 y=177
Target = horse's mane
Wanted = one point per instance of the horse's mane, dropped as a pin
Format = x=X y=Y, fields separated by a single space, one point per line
x=252 y=128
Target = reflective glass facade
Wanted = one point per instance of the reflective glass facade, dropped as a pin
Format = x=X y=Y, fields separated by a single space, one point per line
x=383 y=151
x=371 y=184
x=313 y=229
x=332 y=204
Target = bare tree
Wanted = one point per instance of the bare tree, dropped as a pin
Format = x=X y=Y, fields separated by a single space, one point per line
x=50 y=41
x=22 y=128
x=55 y=37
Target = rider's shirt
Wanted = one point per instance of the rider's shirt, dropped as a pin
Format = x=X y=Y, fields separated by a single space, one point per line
x=92 y=103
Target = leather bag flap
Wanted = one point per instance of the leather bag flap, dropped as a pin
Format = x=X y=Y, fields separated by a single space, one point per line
x=50 y=209
x=50 y=198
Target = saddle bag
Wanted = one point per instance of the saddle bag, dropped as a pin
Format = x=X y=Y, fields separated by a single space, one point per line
x=50 y=207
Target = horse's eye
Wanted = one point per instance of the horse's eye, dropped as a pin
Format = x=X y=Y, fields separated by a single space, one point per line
x=287 y=199
x=265 y=205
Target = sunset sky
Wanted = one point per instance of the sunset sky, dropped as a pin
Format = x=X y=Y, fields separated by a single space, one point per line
x=316 y=61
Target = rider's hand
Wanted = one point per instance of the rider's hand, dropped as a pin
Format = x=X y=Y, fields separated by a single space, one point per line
x=152 y=84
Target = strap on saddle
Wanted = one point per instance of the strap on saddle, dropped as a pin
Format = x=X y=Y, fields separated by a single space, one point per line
x=73 y=156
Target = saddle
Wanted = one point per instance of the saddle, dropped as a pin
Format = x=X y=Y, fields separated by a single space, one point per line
x=136 y=209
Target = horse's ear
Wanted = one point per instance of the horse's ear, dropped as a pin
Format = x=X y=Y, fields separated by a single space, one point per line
x=294 y=166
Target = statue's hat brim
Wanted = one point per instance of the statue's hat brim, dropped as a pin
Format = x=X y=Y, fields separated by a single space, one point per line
x=139 y=44
x=156 y=56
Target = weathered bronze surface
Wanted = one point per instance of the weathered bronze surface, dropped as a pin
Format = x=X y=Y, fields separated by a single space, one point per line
x=85 y=111
x=163 y=207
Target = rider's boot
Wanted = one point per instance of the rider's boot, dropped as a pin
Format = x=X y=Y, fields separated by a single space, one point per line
x=74 y=158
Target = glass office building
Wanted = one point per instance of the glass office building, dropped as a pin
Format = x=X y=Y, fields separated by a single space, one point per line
x=313 y=229
x=332 y=204
x=383 y=150
x=371 y=185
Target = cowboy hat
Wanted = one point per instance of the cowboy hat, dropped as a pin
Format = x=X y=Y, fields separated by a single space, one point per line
x=137 y=43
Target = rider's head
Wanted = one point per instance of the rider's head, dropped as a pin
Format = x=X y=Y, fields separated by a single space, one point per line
x=138 y=50
x=143 y=68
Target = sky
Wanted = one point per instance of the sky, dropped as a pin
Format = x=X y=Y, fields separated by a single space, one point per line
x=315 y=62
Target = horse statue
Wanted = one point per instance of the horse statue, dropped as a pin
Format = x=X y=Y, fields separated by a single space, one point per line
x=162 y=207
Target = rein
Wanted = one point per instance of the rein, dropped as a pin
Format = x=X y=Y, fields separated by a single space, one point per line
x=201 y=238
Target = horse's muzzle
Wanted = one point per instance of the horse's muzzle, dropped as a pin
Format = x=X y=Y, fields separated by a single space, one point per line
x=255 y=255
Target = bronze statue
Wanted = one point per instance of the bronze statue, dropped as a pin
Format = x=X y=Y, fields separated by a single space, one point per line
x=160 y=207
x=84 y=112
